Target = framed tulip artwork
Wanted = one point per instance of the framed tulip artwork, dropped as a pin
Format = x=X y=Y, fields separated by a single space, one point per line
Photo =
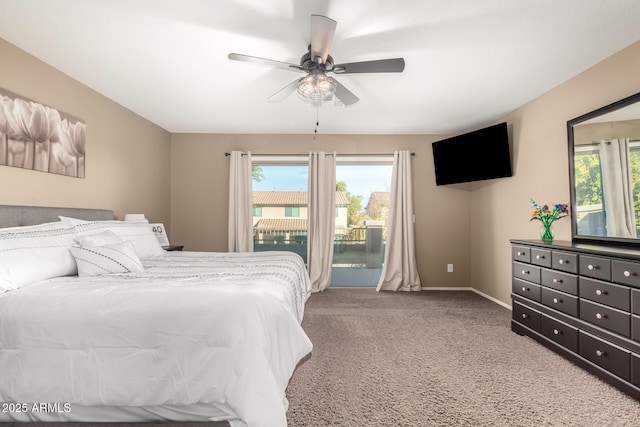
x=37 y=137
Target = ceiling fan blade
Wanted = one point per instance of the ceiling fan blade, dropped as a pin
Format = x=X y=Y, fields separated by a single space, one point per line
x=345 y=95
x=395 y=65
x=283 y=93
x=322 y=31
x=263 y=61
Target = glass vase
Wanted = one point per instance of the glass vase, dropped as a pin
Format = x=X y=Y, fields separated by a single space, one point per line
x=546 y=232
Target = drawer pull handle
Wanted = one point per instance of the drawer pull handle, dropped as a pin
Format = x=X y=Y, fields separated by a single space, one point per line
x=561 y=261
x=627 y=273
x=556 y=300
x=525 y=272
x=556 y=332
x=521 y=253
x=524 y=316
x=524 y=289
x=592 y=267
x=539 y=256
x=600 y=353
x=599 y=292
x=557 y=280
x=601 y=316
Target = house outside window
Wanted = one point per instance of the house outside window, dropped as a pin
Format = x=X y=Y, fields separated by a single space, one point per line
x=257 y=211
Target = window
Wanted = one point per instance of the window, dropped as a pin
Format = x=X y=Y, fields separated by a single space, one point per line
x=292 y=212
x=589 y=193
x=278 y=185
x=588 y=207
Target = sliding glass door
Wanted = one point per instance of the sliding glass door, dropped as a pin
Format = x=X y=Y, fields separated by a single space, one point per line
x=362 y=208
x=280 y=187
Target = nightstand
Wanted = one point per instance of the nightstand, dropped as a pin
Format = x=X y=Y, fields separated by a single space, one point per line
x=172 y=248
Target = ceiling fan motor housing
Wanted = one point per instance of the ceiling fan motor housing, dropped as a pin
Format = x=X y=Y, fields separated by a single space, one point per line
x=308 y=64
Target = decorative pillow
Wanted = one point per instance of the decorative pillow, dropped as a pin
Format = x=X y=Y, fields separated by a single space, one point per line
x=106 y=259
x=145 y=242
x=32 y=253
x=107 y=237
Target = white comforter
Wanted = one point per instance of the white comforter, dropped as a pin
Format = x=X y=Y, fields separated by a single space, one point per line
x=191 y=328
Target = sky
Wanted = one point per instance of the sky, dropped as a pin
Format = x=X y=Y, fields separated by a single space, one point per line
x=361 y=180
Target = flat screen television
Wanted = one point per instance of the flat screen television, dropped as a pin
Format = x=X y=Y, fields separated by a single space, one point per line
x=474 y=156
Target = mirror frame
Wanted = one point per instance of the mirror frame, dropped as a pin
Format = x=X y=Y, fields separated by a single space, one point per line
x=575 y=237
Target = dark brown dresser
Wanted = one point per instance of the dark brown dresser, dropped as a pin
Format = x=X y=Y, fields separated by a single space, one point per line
x=582 y=301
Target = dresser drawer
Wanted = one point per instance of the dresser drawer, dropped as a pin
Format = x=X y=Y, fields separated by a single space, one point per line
x=595 y=266
x=625 y=272
x=635 y=301
x=526 y=289
x=635 y=327
x=541 y=257
x=606 y=293
x=526 y=316
x=521 y=253
x=612 y=358
x=526 y=272
x=564 y=282
x=564 y=261
x=560 y=333
x=635 y=369
x=560 y=301
x=606 y=317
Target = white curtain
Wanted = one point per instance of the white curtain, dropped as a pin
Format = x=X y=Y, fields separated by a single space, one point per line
x=617 y=188
x=400 y=270
x=321 y=218
x=240 y=203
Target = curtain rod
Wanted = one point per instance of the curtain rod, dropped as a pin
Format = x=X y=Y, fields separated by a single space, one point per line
x=305 y=154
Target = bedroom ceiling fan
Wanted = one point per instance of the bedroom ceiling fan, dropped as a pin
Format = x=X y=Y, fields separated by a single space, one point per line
x=317 y=87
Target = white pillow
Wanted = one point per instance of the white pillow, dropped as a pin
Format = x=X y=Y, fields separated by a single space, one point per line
x=107 y=237
x=106 y=259
x=74 y=221
x=145 y=242
x=32 y=253
x=6 y=282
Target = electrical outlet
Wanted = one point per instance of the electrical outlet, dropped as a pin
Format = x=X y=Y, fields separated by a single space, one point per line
x=449 y=268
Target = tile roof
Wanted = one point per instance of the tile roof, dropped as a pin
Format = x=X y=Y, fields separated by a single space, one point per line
x=282 y=224
x=290 y=198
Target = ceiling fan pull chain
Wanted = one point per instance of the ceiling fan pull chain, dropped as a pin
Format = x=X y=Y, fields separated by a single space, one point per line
x=315 y=132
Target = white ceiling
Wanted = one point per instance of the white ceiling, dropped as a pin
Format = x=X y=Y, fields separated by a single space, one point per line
x=468 y=62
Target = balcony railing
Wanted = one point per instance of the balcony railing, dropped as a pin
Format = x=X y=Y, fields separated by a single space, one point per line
x=360 y=247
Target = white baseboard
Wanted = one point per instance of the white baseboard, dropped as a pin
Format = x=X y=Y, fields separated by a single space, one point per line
x=482 y=294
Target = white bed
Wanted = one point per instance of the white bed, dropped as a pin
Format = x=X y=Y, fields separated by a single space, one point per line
x=193 y=336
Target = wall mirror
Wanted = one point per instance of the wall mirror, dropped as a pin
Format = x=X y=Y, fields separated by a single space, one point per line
x=604 y=168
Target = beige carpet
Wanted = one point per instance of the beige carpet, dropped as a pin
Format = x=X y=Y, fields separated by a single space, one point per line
x=438 y=359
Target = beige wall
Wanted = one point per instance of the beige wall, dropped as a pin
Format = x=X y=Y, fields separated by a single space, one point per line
x=501 y=209
x=199 y=191
x=127 y=157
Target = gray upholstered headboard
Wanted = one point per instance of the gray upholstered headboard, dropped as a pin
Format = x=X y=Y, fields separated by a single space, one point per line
x=14 y=216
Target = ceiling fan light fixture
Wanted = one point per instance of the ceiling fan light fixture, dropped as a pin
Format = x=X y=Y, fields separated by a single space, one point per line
x=317 y=88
